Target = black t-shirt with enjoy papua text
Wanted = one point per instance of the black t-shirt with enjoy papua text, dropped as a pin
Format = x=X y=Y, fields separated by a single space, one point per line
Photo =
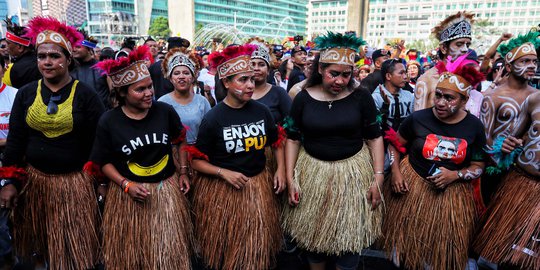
x=433 y=143
x=235 y=139
x=337 y=132
x=140 y=150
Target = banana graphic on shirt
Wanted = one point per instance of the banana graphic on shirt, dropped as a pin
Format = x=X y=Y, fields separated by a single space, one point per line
x=139 y=170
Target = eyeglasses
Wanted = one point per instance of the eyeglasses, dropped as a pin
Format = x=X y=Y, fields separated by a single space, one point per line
x=52 y=107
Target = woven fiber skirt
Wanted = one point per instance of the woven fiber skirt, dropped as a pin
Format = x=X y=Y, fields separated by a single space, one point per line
x=57 y=218
x=334 y=215
x=511 y=226
x=428 y=227
x=156 y=234
x=236 y=229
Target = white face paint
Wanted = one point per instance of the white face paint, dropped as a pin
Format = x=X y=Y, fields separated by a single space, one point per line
x=520 y=68
x=459 y=47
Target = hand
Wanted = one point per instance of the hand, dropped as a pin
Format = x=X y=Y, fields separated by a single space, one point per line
x=8 y=196
x=294 y=193
x=499 y=78
x=236 y=179
x=374 y=194
x=444 y=178
x=102 y=192
x=138 y=192
x=280 y=181
x=383 y=95
x=510 y=143
x=505 y=37
x=184 y=183
x=290 y=65
x=399 y=185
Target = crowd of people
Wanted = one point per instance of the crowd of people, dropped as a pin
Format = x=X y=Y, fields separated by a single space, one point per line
x=258 y=156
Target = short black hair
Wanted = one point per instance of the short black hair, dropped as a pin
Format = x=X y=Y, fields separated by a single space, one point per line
x=389 y=66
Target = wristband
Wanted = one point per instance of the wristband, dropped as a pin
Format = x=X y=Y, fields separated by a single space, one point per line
x=219 y=172
x=129 y=183
x=378 y=172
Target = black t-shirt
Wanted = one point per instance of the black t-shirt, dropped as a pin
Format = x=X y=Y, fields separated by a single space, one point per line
x=235 y=138
x=373 y=80
x=278 y=102
x=296 y=76
x=162 y=85
x=24 y=70
x=62 y=150
x=336 y=133
x=431 y=141
x=141 y=149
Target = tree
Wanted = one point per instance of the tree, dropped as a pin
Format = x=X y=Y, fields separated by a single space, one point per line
x=484 y=34
x=160 y=28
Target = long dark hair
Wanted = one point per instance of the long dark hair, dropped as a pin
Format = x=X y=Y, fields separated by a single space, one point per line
x=315 y=78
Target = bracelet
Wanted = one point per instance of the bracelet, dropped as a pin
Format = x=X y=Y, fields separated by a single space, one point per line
x=219 y=172
x=378 y=172
x=123 y=183
x=183 y=167
x=103 y=184
x=126 y=189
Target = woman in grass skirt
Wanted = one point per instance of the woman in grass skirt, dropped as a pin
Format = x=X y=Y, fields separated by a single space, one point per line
x=236 y=210
x=334 y=183
x=431 y=212
x=146 y=222
x=52 y=127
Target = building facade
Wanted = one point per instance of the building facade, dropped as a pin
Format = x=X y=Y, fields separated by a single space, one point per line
x=337 y=15
x=72 y=12
x=264 y=18
x=413 y=19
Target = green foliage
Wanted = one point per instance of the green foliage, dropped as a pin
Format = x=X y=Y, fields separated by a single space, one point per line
x=160 y=28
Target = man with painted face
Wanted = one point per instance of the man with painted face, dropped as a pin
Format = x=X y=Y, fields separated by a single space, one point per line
x=454 y=35
x=501 y=107
x=299 y=59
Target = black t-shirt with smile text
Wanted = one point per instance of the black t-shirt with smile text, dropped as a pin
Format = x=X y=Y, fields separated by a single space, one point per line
x=139 y=149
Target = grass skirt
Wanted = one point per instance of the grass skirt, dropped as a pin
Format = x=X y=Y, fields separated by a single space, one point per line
x=236 y=229
x=271 y=162
x=57 y=218
x=513 y=218
x=156 y=234
x=427 y=226
x=334 y=215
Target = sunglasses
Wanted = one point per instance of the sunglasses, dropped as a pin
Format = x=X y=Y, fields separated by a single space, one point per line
x=52 y=107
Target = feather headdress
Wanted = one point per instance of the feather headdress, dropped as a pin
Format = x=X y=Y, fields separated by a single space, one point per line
x=127 y=70
x=15 y=33
x=232 y=60
x=460 y=75
x=520 y=46
x=45 y=29
x=454 y=27
x=337 y=48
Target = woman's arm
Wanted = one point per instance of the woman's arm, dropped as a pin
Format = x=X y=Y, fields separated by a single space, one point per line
x=137 y=191
x=376 y=147
x=181 y=164
x=236 y=179
x=446 y=176
x=280 y=179
x=292 y=148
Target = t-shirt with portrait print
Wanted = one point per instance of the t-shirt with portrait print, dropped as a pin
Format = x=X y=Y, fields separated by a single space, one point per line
x=235 y=139
x=140 y=150
x=433 y=143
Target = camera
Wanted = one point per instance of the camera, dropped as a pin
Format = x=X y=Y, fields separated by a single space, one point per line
x=298 y=38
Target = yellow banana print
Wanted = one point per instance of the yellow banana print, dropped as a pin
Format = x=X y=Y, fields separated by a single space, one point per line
x=139 y=170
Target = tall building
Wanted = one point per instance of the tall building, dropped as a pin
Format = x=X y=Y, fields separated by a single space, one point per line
x=264 y=18
x=413 y=19
x=70 y=11
x=115 y=19
x=337 y=15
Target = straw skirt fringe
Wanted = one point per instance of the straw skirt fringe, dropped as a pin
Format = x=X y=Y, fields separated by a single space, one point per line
x=271 y=163
x=511 y=229
x=156 y=234
x=57 y=217
x=236 y=229
x=334 y=215
x=428 y=227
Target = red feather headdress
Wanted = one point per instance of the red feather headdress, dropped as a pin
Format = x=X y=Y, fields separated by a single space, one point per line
x=232 y=60
x=45 y=29
x=134 y=63
x=460 y=75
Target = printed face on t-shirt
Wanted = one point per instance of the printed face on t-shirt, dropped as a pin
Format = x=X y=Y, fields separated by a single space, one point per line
x=441 y=148
x=245 y=138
